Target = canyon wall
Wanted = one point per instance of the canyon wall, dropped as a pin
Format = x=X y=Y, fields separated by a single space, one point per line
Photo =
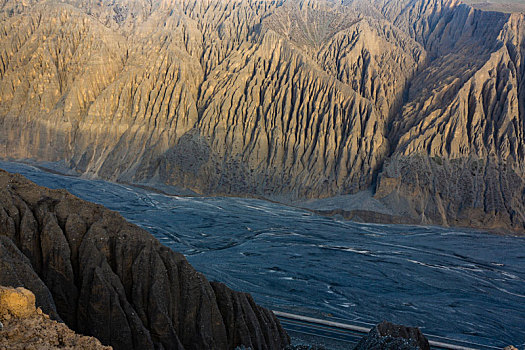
x=291 y=98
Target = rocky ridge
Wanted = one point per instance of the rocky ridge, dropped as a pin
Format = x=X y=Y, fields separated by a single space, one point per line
x=107 y=278
x=420 y=102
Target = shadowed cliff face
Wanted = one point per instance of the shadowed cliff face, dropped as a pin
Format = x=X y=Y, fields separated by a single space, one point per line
x=113 y=280
x=459 y=155
x=301 y=99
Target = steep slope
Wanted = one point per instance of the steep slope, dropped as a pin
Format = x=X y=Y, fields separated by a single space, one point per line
x=56 y=60
x=295 y=128
x=113 y=280
x=458 y=160
x=286 y=99
x=118 y=105
x=457 y=141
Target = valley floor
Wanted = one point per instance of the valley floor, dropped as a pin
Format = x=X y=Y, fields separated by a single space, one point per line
x=295 y=261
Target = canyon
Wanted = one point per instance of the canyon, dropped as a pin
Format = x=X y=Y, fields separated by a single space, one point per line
x=416 y=105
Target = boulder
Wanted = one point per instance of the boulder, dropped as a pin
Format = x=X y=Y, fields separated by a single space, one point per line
x=17 y=302
x=389 y=336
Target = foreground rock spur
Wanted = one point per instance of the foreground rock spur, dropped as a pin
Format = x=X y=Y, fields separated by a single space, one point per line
x=107 y=278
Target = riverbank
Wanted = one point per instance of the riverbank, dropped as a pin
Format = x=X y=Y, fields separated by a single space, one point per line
x=364 y=206
x=293 y=260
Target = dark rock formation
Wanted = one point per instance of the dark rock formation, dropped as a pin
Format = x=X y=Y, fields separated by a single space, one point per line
x=16 y=270
x=388 y=336
x=242 y=318
x=112 y=280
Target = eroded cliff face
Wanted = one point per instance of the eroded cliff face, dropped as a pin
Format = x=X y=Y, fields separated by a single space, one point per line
x=459 y=158
x=110 y=279
x=300 y=99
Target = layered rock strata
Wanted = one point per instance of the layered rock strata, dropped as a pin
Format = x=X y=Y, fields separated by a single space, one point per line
x=107 y=278
x=291 y=98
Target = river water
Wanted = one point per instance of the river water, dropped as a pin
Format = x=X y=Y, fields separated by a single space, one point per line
x=454 y=283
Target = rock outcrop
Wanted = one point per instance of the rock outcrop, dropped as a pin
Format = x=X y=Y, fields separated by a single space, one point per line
x=24 y=326
x=388 y=336
x=19 y=303
x=107 y=278
x=294 y=99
